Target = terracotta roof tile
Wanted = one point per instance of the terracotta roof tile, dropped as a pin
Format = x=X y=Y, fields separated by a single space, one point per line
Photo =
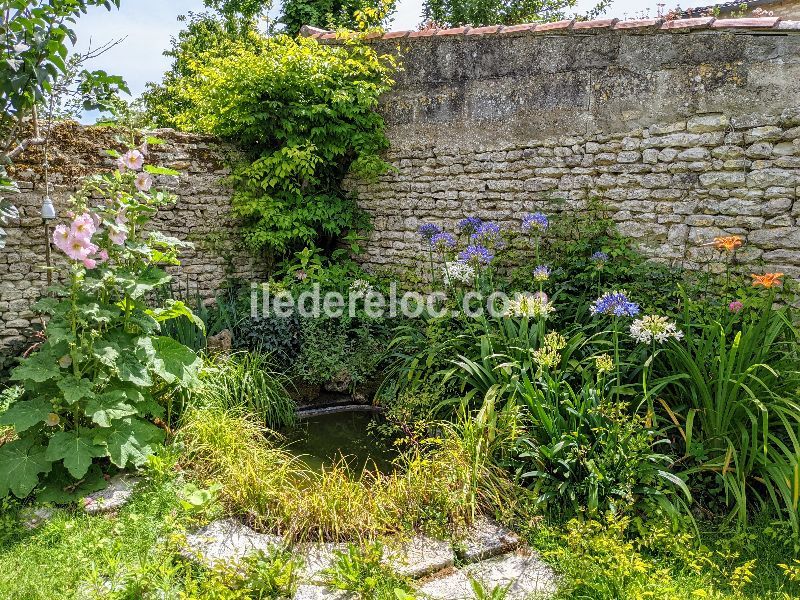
x=639 y=24
x=522 y=27
x=757 y=23
x=677 y=25
x=423 y=33
x=489 y=29
x=595 y=24
x=453 y=31
x=555 y=26
x=699 y=23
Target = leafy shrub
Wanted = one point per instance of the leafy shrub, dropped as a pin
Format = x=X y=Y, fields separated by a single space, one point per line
x=732 y=394
x=92 y=388
x=305 y=113
x=246 y=382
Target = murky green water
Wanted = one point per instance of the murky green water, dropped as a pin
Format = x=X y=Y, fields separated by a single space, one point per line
x=324 y=439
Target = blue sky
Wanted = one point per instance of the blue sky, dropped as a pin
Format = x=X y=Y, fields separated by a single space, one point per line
x=147 y=26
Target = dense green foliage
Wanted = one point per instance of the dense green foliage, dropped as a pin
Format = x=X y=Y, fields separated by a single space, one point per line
x=305 y=113
x=354 y=15
x=91 y=389
x=34 y=38
x=503 y=12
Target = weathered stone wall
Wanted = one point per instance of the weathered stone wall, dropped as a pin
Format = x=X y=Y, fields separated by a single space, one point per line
x=683 y=133
x=200 y=215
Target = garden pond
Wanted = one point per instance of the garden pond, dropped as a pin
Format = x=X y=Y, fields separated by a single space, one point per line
x=325 y=436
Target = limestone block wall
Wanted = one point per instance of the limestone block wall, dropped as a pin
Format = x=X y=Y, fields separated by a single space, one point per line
x=200 y=215
x=685 y=130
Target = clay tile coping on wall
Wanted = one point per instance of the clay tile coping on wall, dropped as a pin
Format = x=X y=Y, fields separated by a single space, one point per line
x=488 y=30
x=595 y=24
x=639 y=24
x=757 y=23
x=453 y=31
x=555 y=26
x=676 y=25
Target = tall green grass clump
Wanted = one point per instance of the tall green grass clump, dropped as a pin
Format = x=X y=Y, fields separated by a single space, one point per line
x=432 y=488
x=245 y=381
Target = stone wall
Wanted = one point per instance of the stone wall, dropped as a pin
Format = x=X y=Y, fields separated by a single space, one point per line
x=201 y=215
x=685 y=131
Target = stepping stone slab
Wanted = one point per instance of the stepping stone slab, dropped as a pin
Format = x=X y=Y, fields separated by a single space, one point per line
x=526 y=577
x=32 y=518
x=114 y=497
x=227 y=541
x=318 y=592
x=484 y=539
x=419 y=557
x=317 y=558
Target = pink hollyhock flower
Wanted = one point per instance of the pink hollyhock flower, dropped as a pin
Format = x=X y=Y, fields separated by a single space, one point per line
x=143 y=182
x=102 y=256
x=61 y=237
x=83 y=227
x=121 y=165
x=79 y=248
x=144 y=148
x=89 y=263
x=122 y=218
x=735 y=306
x=117 y=236
x=133 y=160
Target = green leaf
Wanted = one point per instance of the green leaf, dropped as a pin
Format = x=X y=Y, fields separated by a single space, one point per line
x=21 y=463
x=24 y=414
x=76 y=449
x=60 y=488
x=38 y=368
x=175 y=309
x=75 y=389
x=106 y=352
x=153 y=170
x=131 y=441
x=138 y=285
x=171 y=360
x=109 y=407
x=132 y=369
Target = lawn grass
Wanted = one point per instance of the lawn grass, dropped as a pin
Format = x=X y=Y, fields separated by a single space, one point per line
x=133 y=554
x=72 y=553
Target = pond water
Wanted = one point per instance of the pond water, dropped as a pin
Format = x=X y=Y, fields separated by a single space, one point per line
x=322 y=440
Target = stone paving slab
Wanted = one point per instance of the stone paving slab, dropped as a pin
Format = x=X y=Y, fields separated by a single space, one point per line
x=419 y=557
x=227 y=541
x=317 y=558
x=115 y=496
x=486 y=538
x=525 y=576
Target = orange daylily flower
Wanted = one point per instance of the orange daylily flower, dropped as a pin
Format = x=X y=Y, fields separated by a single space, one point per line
x=767 y=280
x=727 y=243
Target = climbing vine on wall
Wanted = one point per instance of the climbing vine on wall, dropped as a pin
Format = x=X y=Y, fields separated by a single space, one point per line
x=304 y=113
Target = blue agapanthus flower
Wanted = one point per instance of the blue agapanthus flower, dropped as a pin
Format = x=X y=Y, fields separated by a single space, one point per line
x=428 y=230
x=469 y=225
x=443 y=240
x=537 y=221
x=615 y=304
x=476 y=254
x=599 y=257
x=541 y=273
x=486 y=232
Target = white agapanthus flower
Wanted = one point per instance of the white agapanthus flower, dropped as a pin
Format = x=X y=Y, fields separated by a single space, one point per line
x=360 y=288
x=536 y=306
x=654 y=327
x=458 y=272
